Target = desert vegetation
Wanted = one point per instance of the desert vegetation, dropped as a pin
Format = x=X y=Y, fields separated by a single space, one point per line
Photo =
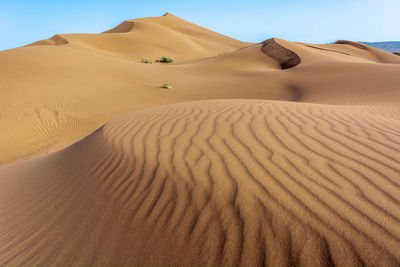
x=166 y=86
x=165 y=60
x=147 y=61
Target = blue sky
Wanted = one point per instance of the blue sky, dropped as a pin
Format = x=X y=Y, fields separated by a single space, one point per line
x=315 y=21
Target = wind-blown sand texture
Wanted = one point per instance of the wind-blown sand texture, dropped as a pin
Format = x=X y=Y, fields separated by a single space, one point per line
x=291 y=158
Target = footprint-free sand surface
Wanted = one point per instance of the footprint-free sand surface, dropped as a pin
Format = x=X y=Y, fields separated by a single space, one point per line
x=277 y=153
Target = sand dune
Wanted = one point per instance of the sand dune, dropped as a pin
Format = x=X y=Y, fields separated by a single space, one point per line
x=152 y=38
x=290 y=158
x=53 y=96
x=228 y=182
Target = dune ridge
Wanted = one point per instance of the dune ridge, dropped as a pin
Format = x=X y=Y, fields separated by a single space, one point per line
x=355 y=44
x=222 y=182
x=57 y=39
x=125 y=26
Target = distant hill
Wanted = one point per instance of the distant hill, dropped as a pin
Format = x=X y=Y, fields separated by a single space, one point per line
x=387 y=46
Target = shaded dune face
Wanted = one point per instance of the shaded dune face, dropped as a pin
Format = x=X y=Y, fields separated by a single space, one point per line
x=286 y=58
x=356 y=45
x=125 y=26
x=223 y=182
x=55 y=40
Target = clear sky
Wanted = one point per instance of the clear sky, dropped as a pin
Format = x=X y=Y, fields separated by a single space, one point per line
x=315 y=21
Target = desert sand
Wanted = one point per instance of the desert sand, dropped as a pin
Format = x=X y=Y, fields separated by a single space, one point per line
x=276 y=153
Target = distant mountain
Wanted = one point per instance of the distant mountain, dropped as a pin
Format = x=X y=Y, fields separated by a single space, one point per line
x=393 y=47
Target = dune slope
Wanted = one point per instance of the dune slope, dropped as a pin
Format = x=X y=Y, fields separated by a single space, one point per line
x=55 y=95
x=220 y=182
x=152 y=37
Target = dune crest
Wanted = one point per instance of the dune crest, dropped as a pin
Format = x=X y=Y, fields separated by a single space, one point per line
x=55 y=40
x=125 y=26
x=355 y=44
x=380 y=55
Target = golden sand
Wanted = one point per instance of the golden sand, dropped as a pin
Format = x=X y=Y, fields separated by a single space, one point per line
x=292 y=156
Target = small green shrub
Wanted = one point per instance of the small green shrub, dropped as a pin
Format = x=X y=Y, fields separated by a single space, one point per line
x=147 y=61
x=167 y=86
x=166 y=60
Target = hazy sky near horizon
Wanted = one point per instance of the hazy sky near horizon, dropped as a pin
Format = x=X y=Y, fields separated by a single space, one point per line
x=316 y=21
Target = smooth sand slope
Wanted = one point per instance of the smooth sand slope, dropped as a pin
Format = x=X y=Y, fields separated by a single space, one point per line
x=290 y=158
x=220 y=182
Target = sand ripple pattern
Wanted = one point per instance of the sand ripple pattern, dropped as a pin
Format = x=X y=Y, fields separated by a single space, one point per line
x=221 y=182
